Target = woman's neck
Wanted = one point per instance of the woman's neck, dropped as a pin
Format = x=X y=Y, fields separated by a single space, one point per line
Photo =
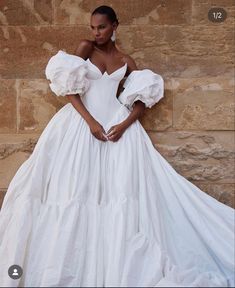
x=107 y=48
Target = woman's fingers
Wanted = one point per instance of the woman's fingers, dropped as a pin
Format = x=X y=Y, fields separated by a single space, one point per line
x=103 y=137
x=110 y=129
x=111 y=133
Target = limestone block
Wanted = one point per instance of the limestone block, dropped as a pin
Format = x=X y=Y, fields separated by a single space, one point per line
x=159 y=116
x=35 y=45
x=198 y=156
x=224 y=193
x=195 y=104
x=14 y=150
x=146 y=46
x=204 y=104
x=37 y=105
x=180 y=51
x=200 y=10
x=199 y=50
x=24 y=12
x=8 y=105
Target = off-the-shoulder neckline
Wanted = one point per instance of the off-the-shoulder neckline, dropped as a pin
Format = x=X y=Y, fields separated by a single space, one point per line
x=85 y=60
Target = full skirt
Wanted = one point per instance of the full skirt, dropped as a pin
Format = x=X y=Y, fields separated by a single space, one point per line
x=80 y=212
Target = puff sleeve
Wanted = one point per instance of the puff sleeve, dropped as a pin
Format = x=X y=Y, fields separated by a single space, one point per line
x=67 y=74
x=143 y=85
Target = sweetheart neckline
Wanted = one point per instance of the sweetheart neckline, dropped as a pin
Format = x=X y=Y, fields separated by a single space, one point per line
x=62 y=51
x=105 y=72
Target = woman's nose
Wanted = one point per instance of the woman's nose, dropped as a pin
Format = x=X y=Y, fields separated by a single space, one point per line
x=97 y=32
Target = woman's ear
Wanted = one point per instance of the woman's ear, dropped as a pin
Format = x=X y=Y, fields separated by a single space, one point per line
x=115 y=25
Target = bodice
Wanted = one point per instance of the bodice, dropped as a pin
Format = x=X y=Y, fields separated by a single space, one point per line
x=101 y=97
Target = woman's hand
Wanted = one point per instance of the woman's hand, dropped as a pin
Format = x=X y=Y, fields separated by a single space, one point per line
x=116 y=131
x=97 y=130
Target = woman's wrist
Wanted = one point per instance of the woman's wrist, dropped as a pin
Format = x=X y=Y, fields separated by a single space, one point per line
x=137 y=112
x=90 y=120
x=126 y=123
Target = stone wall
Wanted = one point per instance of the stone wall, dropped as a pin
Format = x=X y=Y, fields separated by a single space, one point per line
x=192 y=127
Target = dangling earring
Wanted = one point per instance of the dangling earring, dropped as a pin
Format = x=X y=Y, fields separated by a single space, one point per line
x=113 y=38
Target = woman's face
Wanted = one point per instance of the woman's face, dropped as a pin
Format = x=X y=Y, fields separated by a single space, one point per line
x=102 y=28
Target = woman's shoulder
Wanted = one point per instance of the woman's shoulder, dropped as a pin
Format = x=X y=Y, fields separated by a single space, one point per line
x=84 y=48
x=131 y=65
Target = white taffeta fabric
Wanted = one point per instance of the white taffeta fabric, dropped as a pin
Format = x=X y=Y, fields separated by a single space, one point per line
x=80 y=212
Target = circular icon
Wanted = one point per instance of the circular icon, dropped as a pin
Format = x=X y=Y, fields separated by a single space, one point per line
x=217 y=14
x=15 y=271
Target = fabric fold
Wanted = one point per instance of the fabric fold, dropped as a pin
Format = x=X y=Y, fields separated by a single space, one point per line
x=67 y=74
x=143 y=85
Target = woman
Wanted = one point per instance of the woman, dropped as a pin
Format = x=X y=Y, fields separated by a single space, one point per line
x=96 y=205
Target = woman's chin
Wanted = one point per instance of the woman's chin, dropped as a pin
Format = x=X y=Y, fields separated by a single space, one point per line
x=100 y=42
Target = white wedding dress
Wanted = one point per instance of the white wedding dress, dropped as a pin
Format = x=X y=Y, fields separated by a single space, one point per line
x=81 y=212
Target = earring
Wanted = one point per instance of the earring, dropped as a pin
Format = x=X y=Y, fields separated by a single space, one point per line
x=113 y=38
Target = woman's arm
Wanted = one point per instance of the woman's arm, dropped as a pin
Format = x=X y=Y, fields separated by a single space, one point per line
x=136 y=113
x=97 y=130
x=116 y=131
x=138 y=106
x=82 y=51
x=76 y=101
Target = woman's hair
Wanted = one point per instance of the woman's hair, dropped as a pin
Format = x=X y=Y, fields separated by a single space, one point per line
x=107 y=11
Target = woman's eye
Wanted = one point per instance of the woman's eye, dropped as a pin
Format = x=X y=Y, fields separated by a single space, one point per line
x=100 y=27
